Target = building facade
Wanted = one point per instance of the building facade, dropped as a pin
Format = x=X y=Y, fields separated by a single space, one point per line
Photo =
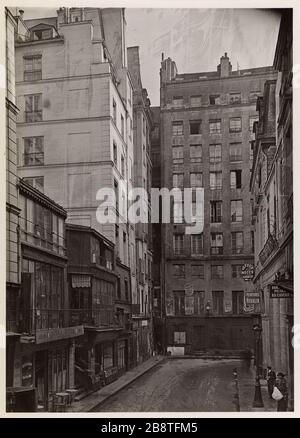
x=40 y=330
x=272 y=189
x=12 y=210
x=75 y=122
x=142 y=126
x=205 y=134
x=95 y=288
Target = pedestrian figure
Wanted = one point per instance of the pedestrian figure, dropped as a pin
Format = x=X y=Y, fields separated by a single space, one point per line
x=271 y=379
x=281 y=384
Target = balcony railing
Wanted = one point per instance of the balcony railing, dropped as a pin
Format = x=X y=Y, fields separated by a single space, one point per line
x=40 y=319
x=94 y=317
x=42 y=237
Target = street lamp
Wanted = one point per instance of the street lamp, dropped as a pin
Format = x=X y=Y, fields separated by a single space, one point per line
x=257 y=402
x=207 y=308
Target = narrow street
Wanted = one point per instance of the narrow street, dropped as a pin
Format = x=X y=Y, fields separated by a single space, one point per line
x=188 y=385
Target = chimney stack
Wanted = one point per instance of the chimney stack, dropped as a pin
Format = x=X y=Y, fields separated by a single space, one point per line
x=225 y=67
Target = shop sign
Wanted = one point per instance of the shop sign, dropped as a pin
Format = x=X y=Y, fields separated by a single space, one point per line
x=277 y=292
x=47 y=335
x=252 y=298
x=247 y=271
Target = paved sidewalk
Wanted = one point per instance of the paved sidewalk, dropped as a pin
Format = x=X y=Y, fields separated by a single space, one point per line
x=246 y=393
x=98 y=397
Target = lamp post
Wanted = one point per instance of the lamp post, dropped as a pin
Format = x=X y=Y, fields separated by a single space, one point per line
x=258 y=401
x=207 y=308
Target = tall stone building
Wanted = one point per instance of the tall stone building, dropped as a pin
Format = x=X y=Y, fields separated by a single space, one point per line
x=75 y=121
x=205 y=136
x=142 y=126
x=272 y=189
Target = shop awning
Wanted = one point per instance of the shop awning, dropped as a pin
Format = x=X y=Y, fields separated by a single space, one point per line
x=81 y=281
x=286 y=285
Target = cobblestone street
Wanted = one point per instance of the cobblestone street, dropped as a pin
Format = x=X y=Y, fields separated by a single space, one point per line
x=188 y=385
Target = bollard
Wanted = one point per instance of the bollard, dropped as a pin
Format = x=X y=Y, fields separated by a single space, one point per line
x=236 y=397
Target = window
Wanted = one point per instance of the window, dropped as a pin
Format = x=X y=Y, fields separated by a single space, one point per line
x=237 y=302
x=155 y=159
x=196 y=179
x=114 y=111
x=199 y=297
x=196 y=244
x=115 y=152
x=236 y=179
x=214 y=99
x=237 y=242
x=33 y=108
x=33 y=151
x=195 y=100
x=198 y=271
x=252 y=242
x=37 y=182
x=215 y=180
x=178 y=180
x=235 y=152
x=195 y=127
x=215 y=211
x=178 y=211
x=177 y=154
x=122 y=126
x=215 y=153
x=236 y=271
x=178 y=244
x=218 y=302
x=216 y=243
x=122 y=166
x=217 y=272
x=252 y=120
x=235 y=124
x=179 y=270
x=179 y=337
x=251 y=153
x=195 y=153
x=32 y=68
x=253 y=96
x=215 y=126
x=235 y=98
x=177 y=128
x=177 y=101
x=236 y=210
x=42 y=34
x=116 y=188
x=179 y=302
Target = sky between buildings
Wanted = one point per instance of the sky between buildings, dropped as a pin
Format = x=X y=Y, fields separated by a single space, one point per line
x=195 y=38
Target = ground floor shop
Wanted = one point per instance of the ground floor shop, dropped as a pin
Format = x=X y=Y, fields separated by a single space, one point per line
x=275 y=286
x=142 y=339
x=101 y=359
x=38 y=373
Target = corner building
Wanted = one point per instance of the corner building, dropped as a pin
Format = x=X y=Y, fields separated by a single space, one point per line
x=206 y=126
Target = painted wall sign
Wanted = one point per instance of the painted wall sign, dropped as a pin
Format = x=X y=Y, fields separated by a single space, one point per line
x=252 y=298
x=47 y=335
x=247 y=271
x=277 y=292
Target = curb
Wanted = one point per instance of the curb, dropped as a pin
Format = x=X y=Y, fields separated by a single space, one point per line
x=104 y=400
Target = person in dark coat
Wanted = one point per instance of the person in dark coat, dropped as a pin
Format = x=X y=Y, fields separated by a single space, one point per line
x=281 y=384
x=271 y=379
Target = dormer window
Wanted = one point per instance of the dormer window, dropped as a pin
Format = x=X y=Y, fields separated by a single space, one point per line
x=43 y=31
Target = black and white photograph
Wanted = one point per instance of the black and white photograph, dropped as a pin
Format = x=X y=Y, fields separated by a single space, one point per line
x=149 y=209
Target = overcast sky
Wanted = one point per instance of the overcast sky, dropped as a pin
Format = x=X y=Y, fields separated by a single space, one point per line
x=195 y=38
